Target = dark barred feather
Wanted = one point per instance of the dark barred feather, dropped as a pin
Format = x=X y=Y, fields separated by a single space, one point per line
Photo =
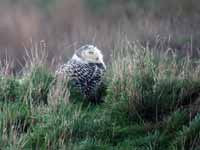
x=86 y=76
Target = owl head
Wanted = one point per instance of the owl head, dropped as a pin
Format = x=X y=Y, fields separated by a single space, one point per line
x=89 y=54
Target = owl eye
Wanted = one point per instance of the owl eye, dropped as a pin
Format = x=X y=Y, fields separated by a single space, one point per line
x=90 y=52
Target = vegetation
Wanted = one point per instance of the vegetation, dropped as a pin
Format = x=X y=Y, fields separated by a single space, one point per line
x=67 y=24
x=151 y=102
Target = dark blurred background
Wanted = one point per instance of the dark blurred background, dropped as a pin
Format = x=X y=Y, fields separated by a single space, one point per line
x=67 y=24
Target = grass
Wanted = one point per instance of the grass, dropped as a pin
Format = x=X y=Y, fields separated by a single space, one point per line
x=148 y=104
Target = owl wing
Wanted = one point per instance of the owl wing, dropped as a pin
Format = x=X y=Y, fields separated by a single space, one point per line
x=76 y=70
x=94 y=81
x=85 y=76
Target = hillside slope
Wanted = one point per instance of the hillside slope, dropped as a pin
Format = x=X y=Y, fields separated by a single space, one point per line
x=151 y=102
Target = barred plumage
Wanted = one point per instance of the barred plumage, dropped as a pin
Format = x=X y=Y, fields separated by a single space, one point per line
x=86 y=69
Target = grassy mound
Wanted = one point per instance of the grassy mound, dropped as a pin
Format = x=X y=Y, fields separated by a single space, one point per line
x=151 y=102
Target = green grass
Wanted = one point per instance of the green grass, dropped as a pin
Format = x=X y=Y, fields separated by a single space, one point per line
x=148 y=105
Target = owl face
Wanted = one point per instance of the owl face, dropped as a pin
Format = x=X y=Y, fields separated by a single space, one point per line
x=90 y=54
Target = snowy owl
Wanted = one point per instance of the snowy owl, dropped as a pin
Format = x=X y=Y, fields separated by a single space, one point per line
x=86 y=69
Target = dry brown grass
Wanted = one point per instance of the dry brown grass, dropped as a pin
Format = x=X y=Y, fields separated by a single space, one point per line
x=70 y=23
